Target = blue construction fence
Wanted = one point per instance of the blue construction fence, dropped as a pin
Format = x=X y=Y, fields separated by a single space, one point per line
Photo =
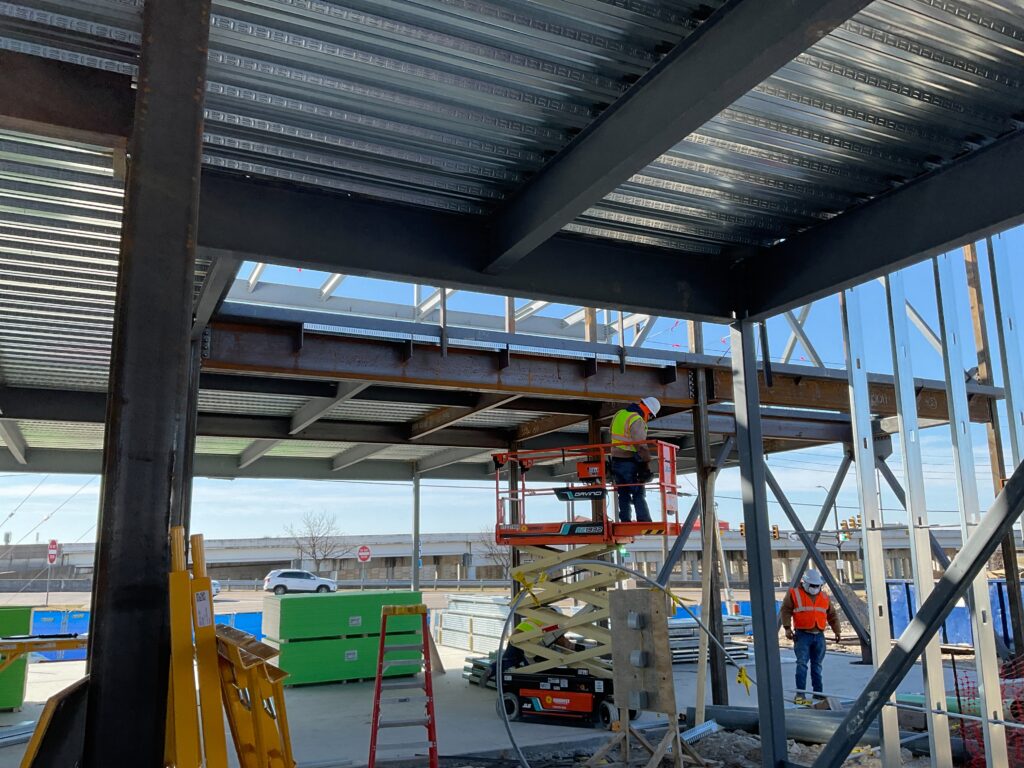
x=903 y=605
x=64 y=622
x=957 y=629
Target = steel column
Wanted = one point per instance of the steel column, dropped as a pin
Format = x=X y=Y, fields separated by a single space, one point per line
x=986 y=660
x=759 y=545
x=964 y=569
x=812 y=551
x=917 y=513
x=826 y=509
x=711 y=595
x=414 y=565
x=867 y=490
x=1010 y=345
x=149 y=373
x=994 y=433
x=181 y=503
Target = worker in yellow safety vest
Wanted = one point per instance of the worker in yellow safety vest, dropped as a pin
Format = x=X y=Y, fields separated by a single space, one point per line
x=630 y=462
x=806 y=611
x=515 y=657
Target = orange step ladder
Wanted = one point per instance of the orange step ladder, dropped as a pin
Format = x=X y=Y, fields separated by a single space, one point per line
x=403 y=684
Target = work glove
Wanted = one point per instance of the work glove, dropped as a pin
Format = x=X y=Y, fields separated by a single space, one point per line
x=789 y=634
x=644 y=474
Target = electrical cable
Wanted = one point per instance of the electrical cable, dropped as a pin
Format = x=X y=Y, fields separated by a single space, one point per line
x=507 y=626
x=22 y=502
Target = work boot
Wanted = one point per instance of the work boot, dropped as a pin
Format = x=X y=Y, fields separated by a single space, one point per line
x=800 y=701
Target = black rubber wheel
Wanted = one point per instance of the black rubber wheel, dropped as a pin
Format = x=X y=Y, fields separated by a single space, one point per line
x=323 y=588
x=607 y=714
x=280 y=589
x=511 y=704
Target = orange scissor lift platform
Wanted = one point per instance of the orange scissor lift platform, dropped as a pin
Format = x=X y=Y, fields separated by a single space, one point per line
x=590 y=482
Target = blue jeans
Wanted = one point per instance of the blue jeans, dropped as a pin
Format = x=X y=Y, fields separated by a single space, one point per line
x=809 y=647
x=624 y=472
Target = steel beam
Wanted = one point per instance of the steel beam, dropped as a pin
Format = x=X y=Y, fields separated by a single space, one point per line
x=644 y=332
x=148 y=376
x=819 y=523
x=317 y=229
x=867 y=491
x=248 y=348
x=529 y=309
x=917 y=512
x=317 y=407
x=255 y=450
x=218 y=281
x=254 y=277
x=546 y=425
x=446 y=458
x=429 y=304
x=446 y=417
x=963 y=571
x=986 y=660
x=810 y=544
x=14 y=440
x=352 y=456
x=45 y=97
x=330 y=285
x=759 y=546
x=924 y=217
x=738 y=47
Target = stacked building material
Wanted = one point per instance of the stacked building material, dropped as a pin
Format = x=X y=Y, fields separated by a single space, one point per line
x=335 y=637
x=14 y=620
x=684 y=637
x=472 y=622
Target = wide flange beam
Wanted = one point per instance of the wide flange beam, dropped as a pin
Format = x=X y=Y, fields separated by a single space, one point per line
x=738 y=47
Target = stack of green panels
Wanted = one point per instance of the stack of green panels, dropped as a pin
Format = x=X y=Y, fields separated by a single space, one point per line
x=335 y=637
x=16 y=620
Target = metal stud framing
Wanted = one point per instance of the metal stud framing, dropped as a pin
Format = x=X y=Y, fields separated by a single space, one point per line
x=867 y=490
x=986 y=660
x=917 y=514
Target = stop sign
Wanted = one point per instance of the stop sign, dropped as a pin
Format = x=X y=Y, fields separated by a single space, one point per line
x=363 y=554
x=51 y=552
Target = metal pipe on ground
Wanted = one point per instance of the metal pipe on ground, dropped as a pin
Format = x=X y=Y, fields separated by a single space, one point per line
x=812 y=726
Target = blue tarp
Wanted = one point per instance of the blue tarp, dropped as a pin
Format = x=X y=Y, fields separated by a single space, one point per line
x=57 y=622
x=957 y=629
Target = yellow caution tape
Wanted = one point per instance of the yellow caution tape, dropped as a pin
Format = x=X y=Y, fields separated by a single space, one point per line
x=744 y=679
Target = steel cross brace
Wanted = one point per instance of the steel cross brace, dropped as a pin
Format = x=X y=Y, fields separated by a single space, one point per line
x=833 y=492
x=954 y=584
x=676 y=551
x=812 y=551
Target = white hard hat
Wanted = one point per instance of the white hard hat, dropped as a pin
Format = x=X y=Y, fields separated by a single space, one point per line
x=652 y=404
x=813 y=579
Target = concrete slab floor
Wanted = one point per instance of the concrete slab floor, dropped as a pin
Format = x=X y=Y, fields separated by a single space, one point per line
x=332 y=722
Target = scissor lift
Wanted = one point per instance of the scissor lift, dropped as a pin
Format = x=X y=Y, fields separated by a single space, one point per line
x=545 y=547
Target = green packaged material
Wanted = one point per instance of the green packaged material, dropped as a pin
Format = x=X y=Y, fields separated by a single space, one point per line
x=349 y=658
x=14 y=620
x=341 y=614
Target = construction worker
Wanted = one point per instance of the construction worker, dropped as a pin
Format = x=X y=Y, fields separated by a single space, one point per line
x=806 y=611
x=630 y=462
x=514 y=656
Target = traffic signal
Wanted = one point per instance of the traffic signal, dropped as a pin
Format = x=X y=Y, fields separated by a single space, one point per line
x=853 y=523
x=775 y=531
x=743 y=529
x=844 y=524
x=858 y=521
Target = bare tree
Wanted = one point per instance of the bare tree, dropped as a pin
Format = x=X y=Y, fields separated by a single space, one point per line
x=318 y=538
x=498 y=554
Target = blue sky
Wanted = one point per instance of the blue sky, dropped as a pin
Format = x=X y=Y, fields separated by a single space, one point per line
x=64 y=506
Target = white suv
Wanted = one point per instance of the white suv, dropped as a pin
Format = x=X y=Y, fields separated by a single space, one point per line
x=281 y=581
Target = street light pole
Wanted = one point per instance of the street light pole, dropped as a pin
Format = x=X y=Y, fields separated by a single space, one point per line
x=839 y=541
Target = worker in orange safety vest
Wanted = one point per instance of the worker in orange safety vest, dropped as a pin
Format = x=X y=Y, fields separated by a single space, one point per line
x=806 y=611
